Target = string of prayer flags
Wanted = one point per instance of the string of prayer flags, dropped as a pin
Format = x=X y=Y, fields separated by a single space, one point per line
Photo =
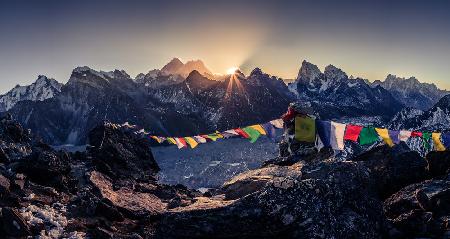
x=305 y=129
x=352 y=132
x=384 y=134
x=404 y=135
x=252 y=133
x=270 y=131
x=394 y=135
x=191 y=141
x=337 y=136
x=368 y=135
x=438 y=145
x=426 y=136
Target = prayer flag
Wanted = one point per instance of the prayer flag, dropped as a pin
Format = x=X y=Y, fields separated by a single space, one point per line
x=200 y=139
x=324 y=131
x=270 y=131
x=259 y=128
x=278 y=123
x=171 y=140
x=446 y=140
x=219 y=135
x=352 y=132
x=416 y=134
x=437 y=141
x=426 y=136
x=229 y=133
x=368 y=135
x=384 y=134
x=191 y=141
x=181 y=143
x=214 y=136
x=252 y=133
x=305 y=129
x=393 y=134
x=242 y=133
x=337 y=135
x=404 y=135
x=158 y=139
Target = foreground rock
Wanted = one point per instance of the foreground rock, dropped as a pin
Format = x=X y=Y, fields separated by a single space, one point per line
x=420 y=210
x=324 y=200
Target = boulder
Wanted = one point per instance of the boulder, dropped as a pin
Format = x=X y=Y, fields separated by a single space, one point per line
x=13 y=223
x=47 y=167
x=4 y=185
x=121 y=154
x=135 y=203
x=438 y=163
x=393 y=168
x=421 y=210
x=330 y=202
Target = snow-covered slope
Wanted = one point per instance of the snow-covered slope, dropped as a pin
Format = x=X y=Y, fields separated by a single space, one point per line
x=336 y=96
x=436 y=118
x=43 y=88
x=411 y=92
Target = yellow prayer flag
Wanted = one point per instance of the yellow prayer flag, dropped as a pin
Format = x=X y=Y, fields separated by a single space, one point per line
x=384 y=134
x=156 y=138
x=305 y=129
x=259 y=128
x=191 y=142
x=172 y=140
x=437 y=141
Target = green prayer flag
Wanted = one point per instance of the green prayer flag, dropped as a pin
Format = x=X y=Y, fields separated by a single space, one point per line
x=305 y=129
x=426 y=136
x=253 y=133
x=368 y=135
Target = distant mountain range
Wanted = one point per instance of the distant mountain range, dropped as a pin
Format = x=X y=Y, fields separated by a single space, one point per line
x=186 y=98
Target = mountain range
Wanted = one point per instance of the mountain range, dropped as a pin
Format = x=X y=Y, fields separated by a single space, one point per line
x=186 y=98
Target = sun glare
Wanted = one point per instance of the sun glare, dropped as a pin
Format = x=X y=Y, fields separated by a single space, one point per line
x=231 y=70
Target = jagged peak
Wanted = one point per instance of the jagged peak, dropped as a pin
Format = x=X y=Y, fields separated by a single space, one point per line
x=308 y=71
x=173 y=65
x=256 y=72
x=334 y=73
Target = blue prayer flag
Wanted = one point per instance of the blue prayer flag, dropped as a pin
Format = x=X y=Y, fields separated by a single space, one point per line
x=446 y=140
x=324 y=131
x=393 y=134
x=270 y=131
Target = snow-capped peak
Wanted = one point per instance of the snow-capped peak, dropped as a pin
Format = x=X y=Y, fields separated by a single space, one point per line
x=43 y=88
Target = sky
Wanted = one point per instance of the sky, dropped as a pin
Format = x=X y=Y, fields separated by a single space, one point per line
x=369 y=39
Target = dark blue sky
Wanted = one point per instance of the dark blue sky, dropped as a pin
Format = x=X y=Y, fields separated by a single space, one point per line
x=365 y=38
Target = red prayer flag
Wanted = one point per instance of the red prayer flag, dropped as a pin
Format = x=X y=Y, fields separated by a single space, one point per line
x=182 y=141
x=352 y=132
x=416 y=134
x=290 y=114
x=242 y=133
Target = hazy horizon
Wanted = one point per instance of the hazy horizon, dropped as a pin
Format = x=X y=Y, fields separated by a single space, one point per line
x=368 y=39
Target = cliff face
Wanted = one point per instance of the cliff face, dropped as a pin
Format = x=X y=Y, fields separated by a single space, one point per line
x=111 y=191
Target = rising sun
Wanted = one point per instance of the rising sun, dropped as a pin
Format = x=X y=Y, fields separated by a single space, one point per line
x=231 y=70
